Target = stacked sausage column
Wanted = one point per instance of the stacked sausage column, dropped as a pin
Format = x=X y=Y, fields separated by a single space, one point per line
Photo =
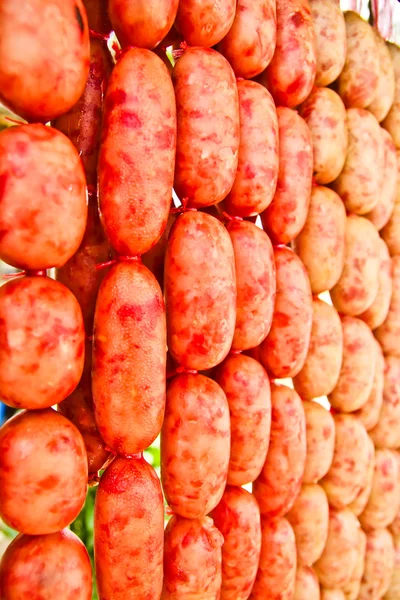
x=43 y=214
x=242 y=307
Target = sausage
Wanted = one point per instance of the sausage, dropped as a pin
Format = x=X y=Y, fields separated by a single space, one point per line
x=382 y=212
x=360 y=501
x=349 y=469
x=386 y=434
x=137 y=154
x=358 y=81
x=392 y=120
x=52 y=495
x=376 y=314
x=140 y=23
x=39 y=167
x=291 y=73
x=194 y=475
x=276 y=573
x=279 y=482
x=257 y=173
x=247 y=390
x=200 y=291
x=379 y=565
x=370 y=411
x=358 y=284
x=320 y=372
x=129 y=532
x=78 y=408
x=43 y=342
x=284 y=218
x=325 y=115
x=359 y=184
x=309 y=518
x=44 y=76
x=320 y=438
x=50 y=566
x=237 y=517
x=192 y=559
x=97 y=15
x=352 y=587
x=330 y=40
x=394 y=586
x=384 y=499
x=388 y=333
x=207 y=148
x=255 y=283
x=385 y=90
x=307 y=585
x=82 y=123
x=284 y=351
x=321 y=243
x=339 y=557
x=358 y=367
x=204 y=23
x=129 y=358
x=390 y=232
x=250 y=43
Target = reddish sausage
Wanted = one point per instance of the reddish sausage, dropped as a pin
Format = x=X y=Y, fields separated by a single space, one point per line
x=309 y=517
x=388 y=333
x=285 y=216
x=208 y=127
x=255 y=282
x=44 y=74
x=39 y=167
x=237 y=517
x=358 y=81
x=284 y=350
x=43 y=454
x=359 y=183
x=358 y=284
x=142 y=23
x=129 y=531
x=51 y=566
x=349 y=469
x=129 y=358
x=386 y=433
x=250 y=42
x=384 y=95
x=358 y=367
x=205 y=22
x=247 y=389
x=320 y=436
x=330 y=38
x=279 y=483
x=321 y=369
x=257 y=173
x=192 y=559
x=200 y=291
x=376 y=314
x=137 y=155
x=379 y=565
x=370 y=411
x=276 y=573
x=321 y=243
x=194 y=475
x=382 y=212
x=325 y=115
x=339 y=557
x=42 y=342
x=291 y=74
